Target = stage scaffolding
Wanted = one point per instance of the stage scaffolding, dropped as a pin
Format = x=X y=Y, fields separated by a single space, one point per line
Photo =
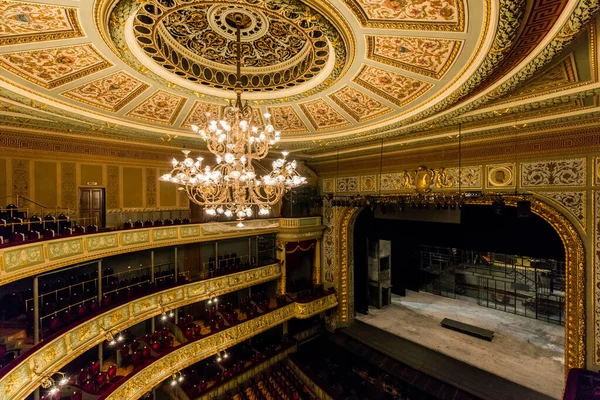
x=521 y=285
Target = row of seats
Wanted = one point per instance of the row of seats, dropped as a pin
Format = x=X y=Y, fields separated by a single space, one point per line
x=94 y=381
x=76 y=395
x=279 y=384
x=210 y=373
x=158 y=222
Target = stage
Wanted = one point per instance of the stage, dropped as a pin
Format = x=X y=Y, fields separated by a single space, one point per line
x=524 y=350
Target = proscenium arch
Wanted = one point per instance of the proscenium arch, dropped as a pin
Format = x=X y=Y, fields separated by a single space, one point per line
x=574 y=269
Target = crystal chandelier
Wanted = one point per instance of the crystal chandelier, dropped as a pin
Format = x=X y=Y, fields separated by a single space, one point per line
x=232 y=186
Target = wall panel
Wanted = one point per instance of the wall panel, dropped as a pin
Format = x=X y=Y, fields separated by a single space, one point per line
x=46 y=183
x=133 y=187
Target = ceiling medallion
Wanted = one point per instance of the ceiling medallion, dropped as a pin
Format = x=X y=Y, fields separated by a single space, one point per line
x=284 y=43
x=232 y=187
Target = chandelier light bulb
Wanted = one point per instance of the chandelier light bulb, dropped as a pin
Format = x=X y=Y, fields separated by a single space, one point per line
x=267 y=115
x=228 y=213
x=63 y=381
x=53 y=391
x=240 y=224
x=195 y=128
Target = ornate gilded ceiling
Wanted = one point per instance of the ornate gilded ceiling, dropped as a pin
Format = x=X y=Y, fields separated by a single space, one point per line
x=338 y=76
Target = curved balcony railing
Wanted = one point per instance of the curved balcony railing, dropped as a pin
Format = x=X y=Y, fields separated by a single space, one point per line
x=18 y=262
x=50 y=356
x=148 y=376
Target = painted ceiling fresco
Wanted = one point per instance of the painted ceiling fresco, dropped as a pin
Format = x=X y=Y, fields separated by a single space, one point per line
x=333 y=74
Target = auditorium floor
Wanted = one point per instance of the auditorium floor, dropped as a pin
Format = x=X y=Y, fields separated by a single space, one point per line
x=524 y=350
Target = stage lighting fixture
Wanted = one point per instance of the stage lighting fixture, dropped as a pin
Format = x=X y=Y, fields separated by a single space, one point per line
x=523 y=208
x=400 y=205
x=498 y=206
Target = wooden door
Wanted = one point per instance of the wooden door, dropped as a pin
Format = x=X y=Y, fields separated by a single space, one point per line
x=91 y=205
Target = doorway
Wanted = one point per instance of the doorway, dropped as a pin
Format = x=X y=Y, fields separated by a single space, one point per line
x=92 y=206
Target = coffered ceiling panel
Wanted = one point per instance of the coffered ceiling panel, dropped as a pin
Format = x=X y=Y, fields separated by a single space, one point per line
x=394 y=87
x=110 y=93
x=358 y=104
x=322 y=116
x=52 y=67
x=161 y=107
x=32 y=22
x=427 y=56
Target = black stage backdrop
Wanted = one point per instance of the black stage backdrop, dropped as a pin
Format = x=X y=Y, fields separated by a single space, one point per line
x=480 y=229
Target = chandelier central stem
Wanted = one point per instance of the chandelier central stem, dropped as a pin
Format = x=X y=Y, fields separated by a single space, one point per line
x=238 y=81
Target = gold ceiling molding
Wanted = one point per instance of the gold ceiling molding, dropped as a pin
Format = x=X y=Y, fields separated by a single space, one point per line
x=358 y=104
x=197 y=114
x=144 y=380
x=575 y=272
x=392 y=86
x=422 y=55
x=50 y=144
x=446 y=16
x=287 y=119
x=322 y=116
x=562 y=76
x=56 y=66
x=111 y=93
x=530 y=146
x=380 y=132
x=24 y=22
x=161 y=107
x=346 y=28
x=27 y=376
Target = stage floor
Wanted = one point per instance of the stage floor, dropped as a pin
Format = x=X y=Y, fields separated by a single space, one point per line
x=524 y=350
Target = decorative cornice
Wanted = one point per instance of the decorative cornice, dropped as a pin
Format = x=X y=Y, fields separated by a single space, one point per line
x=27 y=376
x=298 y=229
x=186 y=355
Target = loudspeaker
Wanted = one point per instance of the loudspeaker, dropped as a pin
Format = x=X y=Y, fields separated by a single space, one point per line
x=523 y=209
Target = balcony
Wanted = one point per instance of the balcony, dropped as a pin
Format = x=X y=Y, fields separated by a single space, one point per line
x=145 y=378
x=36 y=257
